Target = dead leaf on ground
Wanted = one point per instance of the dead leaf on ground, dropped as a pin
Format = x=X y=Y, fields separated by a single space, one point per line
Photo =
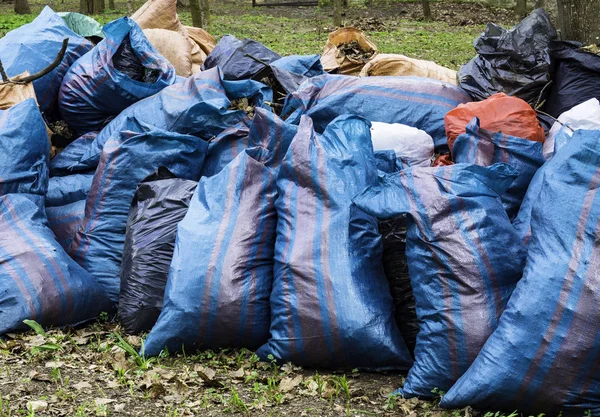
x=54 y=364
x=34 y=406
x=287 y=384
x=82 y=385
x=36 y=376
x=103 y=401
x=208 y=376
x=239 y=374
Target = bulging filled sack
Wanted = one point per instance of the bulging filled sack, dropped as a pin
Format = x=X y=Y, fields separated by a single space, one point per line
x=413 y=101
x=498 y=113
x=127 y=158
x=412 y=146
x=159 y=204
x=121 y=70
x=395 y=64
x=222 y=269
x=38 y=280
x=544 y=356
x=330 y=305
x=347 y=51
x=464 y=260
x=174 y=47
x=483 y=147
x=34 y=46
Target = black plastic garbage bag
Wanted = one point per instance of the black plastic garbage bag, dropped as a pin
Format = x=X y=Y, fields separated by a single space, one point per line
x=240 y=60
x=515 y=61
x=160 y=203
x=576 y=77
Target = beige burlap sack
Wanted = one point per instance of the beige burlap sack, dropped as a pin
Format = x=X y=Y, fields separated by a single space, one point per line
x=394 y=64
x=205 y=43
x=339 y=54
x=162 y=14
x=11 y=94
x=173 y=46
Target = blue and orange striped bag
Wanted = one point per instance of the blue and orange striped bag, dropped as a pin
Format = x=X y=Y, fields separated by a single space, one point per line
x=464 y=260
x=94 y=90
x=483 y=147
x=220 y=279
x=544 y=357
x=331 y=304
x=38 y=280
x=126 y=160
x=413 y=101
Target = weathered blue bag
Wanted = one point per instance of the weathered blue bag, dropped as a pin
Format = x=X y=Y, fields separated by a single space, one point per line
x=544 y=357
x=38 y=280
x=464 y=260
x=127 y=159
x=483 y=147
x=413 y=101
x=220 y=279
x=331 y=304
x=266 y=130
x=95 y=89
x=34 y=46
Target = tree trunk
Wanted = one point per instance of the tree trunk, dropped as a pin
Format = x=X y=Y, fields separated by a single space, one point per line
x=521 y=8
x=111 y=4
x=578 y=20
x=426 y=10
x=337 y=13
x=130 y=7
x=205 y=13
x=540 y=3
x=196 y=11
x=22 y=7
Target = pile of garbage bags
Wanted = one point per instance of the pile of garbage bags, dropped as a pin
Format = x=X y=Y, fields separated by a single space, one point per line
x=350 y=210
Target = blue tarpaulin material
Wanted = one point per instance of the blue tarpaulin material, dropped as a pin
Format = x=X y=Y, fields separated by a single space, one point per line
x=266 y=130
x=65 y=205
x=413 y=101
x=231 y=55
x=95 y=90
x=544 y=357
x=331 y=304
x=199 y=106
x=38 y=280
x=483 y=147
x=34 y=46
x=66 y=162
x=126 y=160
x=222 y=269
x=23 y=163
x=464 y=260
x=292 y=71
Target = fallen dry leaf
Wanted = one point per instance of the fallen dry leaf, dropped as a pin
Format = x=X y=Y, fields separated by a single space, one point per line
x=239 y=374
x=54 y=364
x=37 y=405
x=208 y=376
x=82 y=385
x=103 y=401
x=36 y=376
x=287 y=384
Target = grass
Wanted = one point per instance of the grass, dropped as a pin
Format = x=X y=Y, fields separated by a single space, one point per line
x=305 y=32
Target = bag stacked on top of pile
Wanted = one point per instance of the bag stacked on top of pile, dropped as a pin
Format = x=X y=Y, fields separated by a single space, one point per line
x=127 y=158
x=395 y=64
x=232 y=234
x=464 y=259
x=576 y=77
x=411 y=146
x=38 y=280
x=413 y=101
x=515 y=61
x=483 y=147
x=347 y=51
x=230 y=55
x=498 y=113
x=544 y=356
x=200 y=106
x=330 y=305
x=584 y=116
x=34 y=46
x=121 y=70
x=160 y=202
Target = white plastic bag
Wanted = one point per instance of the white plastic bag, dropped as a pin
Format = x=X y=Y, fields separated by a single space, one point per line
x=413 y=146
x=584 y=116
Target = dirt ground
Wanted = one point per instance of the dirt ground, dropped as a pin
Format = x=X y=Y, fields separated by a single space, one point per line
x=94 y=371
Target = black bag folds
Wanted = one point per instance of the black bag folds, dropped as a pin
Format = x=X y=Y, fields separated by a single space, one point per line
x=160 y=203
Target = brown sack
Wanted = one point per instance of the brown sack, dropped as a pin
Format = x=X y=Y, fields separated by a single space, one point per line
x=11 y=94
x=203 y=43
x=159 y=14
x=393 y=64
x=174 y=47
x=334 y=58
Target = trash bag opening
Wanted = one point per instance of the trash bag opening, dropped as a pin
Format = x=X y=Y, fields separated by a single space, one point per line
x=127 y=61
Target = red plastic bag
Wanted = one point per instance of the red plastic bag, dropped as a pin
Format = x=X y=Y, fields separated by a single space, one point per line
x=499 y=113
